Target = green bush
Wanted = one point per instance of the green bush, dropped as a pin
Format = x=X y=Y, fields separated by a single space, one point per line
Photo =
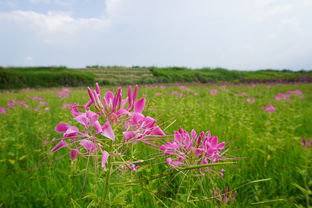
x=43 y=77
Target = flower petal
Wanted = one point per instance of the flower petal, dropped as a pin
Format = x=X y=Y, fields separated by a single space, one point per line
x=105 y=156
x=128 y=135
x=157 y=131
x=139 y=105
x=59 y=145
x=73 y=153
x=88 y=145
x=107 y=131
x=62 y=127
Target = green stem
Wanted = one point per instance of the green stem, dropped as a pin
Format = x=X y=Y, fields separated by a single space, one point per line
x=106 y=188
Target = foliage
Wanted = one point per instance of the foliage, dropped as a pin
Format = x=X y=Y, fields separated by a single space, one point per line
x=274 y=168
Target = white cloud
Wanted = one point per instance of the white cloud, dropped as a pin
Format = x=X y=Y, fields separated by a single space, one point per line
x=240 y=34
x=54 y=26
x=56 y=2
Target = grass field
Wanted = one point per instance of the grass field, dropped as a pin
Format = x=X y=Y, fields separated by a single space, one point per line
x=273 y=168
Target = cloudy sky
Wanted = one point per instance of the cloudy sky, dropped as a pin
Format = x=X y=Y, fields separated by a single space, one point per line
x=236 y=34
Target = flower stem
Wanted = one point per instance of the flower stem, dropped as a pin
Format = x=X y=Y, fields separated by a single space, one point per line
x=106 y=188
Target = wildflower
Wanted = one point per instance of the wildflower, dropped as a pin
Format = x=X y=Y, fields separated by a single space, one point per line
x=244 y=94
x=38 y=98
x=213 y=92
x=64 y=93
x=269 y=108
x=3 y=110
x=88 y=145
x=184 y=88
x=280 y=96
x=306 y=143
x=59 y=145
x=67 y=105
x=105 y=156
x=27 y=90
x=192 y=149
x=224 y=198
x=295 y=92
x=140 y=128
x=251 y=100
x=73 y=153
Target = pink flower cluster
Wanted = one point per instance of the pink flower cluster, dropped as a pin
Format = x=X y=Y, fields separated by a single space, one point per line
x=225 y=197
x=269 y=108
x=286 y=96
x=64 y=93
x=14 y=103
x=192 y=149
x=99 y=126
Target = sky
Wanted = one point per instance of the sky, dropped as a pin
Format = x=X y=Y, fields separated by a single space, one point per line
x=234 y=34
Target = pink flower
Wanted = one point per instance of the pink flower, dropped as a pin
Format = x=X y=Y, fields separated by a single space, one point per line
x=105 y=156
x=192 y=149
x=67 y=105
x=64 y=93
x=251 y=100
x=27 y=90
x=11 y=103
x=280 y=96
x=88 y=119
x=69 y=131
x=88 y=145
x=171 y=163
x=213 y=92
x=38 y=98
x=59 y=145
x=184 y=88
x=107 y=131
x=269 y=108
x=73 y=153
x=43 y=103
x=112 y=106
x=3 y=110
x=141 y=128
x=244 y=94
x=295 y=92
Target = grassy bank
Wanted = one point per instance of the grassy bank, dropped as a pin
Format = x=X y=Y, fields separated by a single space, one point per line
x=34 y=77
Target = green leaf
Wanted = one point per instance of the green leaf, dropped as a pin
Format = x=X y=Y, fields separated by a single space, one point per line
x=75 y=204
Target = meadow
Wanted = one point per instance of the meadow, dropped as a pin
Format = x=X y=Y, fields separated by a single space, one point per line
x=266 y=129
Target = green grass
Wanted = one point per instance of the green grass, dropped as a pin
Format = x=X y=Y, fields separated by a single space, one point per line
x=272 y=170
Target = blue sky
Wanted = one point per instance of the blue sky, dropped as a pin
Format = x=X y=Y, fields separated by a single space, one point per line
x=240 y=34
